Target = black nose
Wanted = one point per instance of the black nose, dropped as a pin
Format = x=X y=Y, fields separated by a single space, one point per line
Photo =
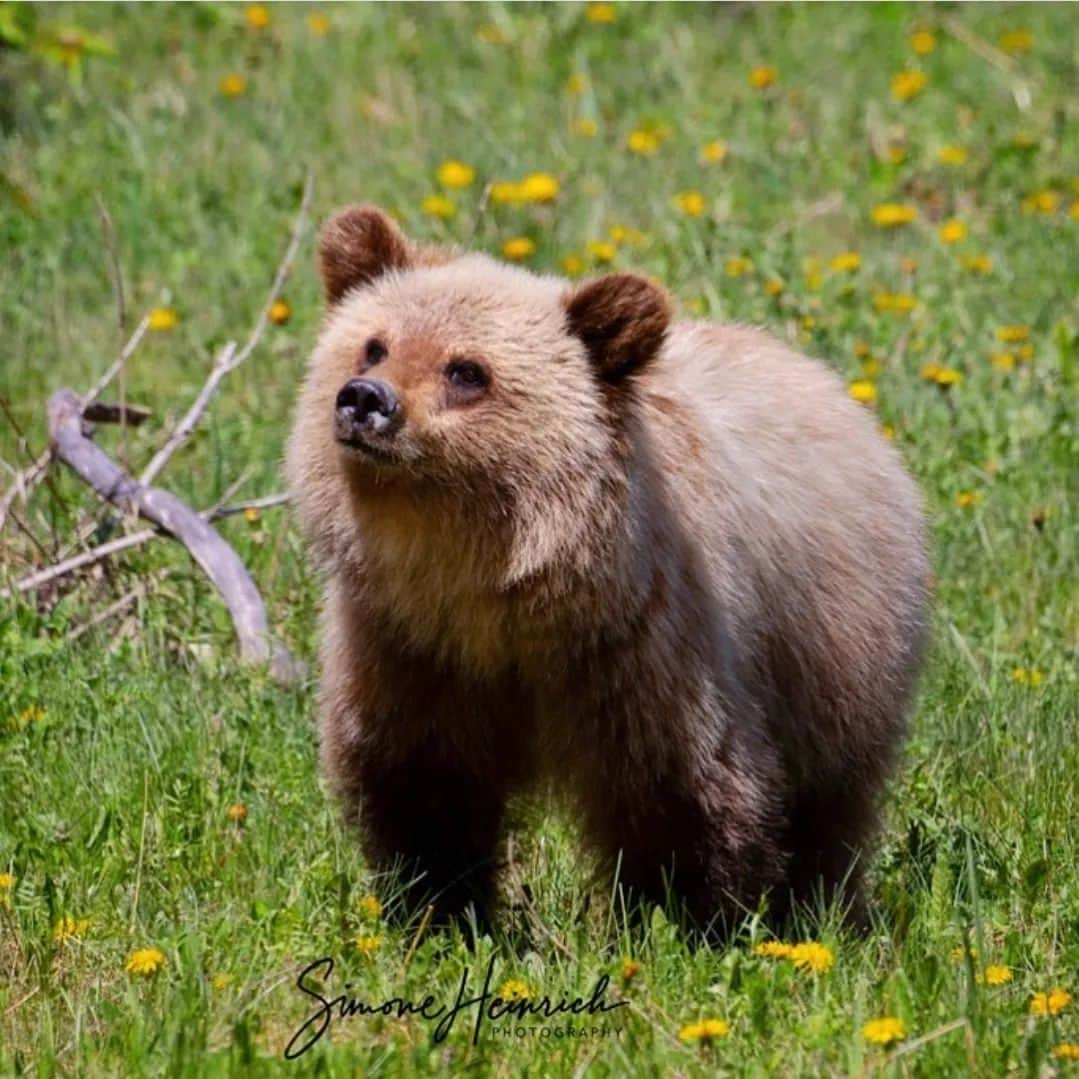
x=366 y=402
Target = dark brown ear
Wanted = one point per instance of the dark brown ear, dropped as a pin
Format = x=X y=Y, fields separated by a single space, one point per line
x=622 y=319
x=356 y=246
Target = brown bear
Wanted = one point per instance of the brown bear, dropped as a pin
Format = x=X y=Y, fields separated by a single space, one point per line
x=669 y=570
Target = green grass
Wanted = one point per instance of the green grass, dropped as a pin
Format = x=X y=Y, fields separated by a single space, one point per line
x=122 y=751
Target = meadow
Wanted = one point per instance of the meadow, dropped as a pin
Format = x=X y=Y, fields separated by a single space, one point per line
x=893 y=188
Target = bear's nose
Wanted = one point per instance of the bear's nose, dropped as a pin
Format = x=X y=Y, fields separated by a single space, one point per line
x=367 y=404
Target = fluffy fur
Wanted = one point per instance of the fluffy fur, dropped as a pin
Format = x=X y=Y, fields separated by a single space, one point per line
x=670 y=570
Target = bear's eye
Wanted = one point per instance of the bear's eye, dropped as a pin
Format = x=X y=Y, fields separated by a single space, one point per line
x=467 y=375
x=374 y=351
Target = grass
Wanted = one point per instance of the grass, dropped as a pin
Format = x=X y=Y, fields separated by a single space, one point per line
x=122 y=752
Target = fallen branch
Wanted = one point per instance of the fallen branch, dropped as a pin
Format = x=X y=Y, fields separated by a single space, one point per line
x=228 y=359
x=217 y=559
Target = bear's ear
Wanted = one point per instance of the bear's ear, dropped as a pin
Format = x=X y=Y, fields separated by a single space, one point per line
x=356 y=246
x=622 y=319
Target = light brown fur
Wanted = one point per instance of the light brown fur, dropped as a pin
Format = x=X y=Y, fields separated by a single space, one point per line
x=674 y=571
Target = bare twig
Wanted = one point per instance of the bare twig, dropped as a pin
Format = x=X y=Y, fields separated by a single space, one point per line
x=229 y=358
x=217 y=559
x=130 y=415
x=30 y=477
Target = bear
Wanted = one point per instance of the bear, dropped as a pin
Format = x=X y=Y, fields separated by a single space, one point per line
x=665 y=570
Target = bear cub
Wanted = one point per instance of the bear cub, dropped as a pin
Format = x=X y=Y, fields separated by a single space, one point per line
x=666 y=569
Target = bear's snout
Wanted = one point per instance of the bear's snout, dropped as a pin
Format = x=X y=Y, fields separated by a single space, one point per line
x=365 y=406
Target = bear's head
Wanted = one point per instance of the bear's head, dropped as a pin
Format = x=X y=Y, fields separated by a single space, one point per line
x=467 y=396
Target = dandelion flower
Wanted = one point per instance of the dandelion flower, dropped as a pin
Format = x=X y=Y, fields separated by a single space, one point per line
x=892 y=214
x=257 y=16
x=68 y=928
x=370 y=907
x=923 y=42
x=845 y=262
x=809 y=956
x=995 y=974
x=773 y=949
x=514 y=989
x=960 y=953
x=1066 y=1051
x=705 y=1031
x=438 y=206
x=1042 y=202
x=7 y=882
x=490 y=34
x=280 y=312
x=773 y=287
x=368 y=944
x=518 y=248
x=907 y=85
x=977 y=263
x=318 y=24
x=232 y=85
x=897 y=155
x=163 y=318
x=863 y=391
x=1016 y=41
x=1005 y=361
x=238 y=812
x=760 y=78
x=643 y=142
x=630 y=969
x=965 y=500
x=1051 y=1003
x=601 y=251
x=691 y=203
x=577 y=83
x=884 y=1031
x=572 y=265
x=601 y=14
x=145 y=961
x=455 y=174
x=737 y=266
x=952 y=231
x=894 y=303
x=586 y=127
x=506 y=192
x=1010 y=335
x=251 y=514
x=952 y=155
x=712 y=153
x=221 y=981
x=947 y=376
x=539 y=187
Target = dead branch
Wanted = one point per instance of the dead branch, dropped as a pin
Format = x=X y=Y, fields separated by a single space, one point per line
x=130 y=415
x=30 y=477
x=216 y=558
x=228 y=359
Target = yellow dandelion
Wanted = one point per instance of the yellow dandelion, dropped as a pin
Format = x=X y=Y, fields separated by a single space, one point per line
x=145 y=961
x=257 y=16
x=690 y=203
x=893 y=214
x=737 y=266
x=601 y=14
x=455 y=174
x=251 y=514
x=367 y=945
x=642 y=141
x=221 y=981
x=539 y=187
x=630 y=969
x=490 y=34
x=960 y=953
x=907 y=85
x=952 y=155
x=773 y=949
x=164 y=318
x=809 y=956
x=514 y=989
x=894 y=303
x=705 y=1031
x=923 y=42
x=1042 y=202
x=586 y=127
x=947 y=376
x=1051 y=1003
x=888 y=431
x=370 y=907
x=232 y=85
x=1073 y=213
x=871 y=367
x=773 y=287
x=953 y=231
x=506 y=192
x=31 y=715
x=1005 y=361
x=977 y=263
x=68 y=928
x=1016 y=41
x=965 y=500
x=863 y=391
x=845 y=262
x=1025 y=352
x=438 y=206
x=712 y=153
x=995 y=974
x=518 y=248
x=280 y=312
x=884 y=1031
x=809 y=321
x=572 y=265
x=811 y=267
x=577 y=83
x=1066 y=1051
x=1011 y=335
x=318 y=24
x=760 y=78
x=7 y=882
x=601 y=251
x=897 y=154
x=237 y=812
